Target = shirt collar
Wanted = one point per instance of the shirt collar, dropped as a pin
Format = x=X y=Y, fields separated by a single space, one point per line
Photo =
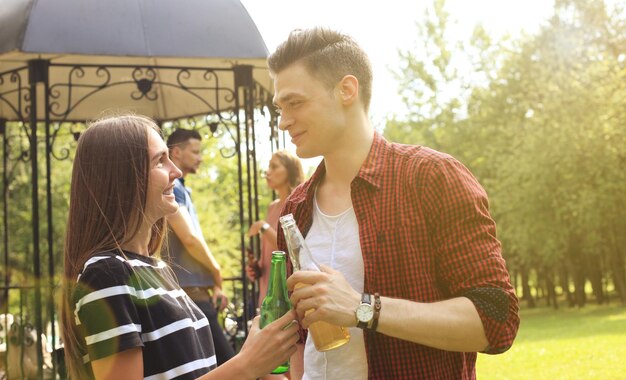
x=373 y=167
x=371 y=171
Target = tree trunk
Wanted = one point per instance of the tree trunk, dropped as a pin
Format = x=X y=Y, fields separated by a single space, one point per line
x=551 y=299
x=526 y=295
x=579 y=287
x=578 y=269
x=619 y=275
x=594 y=273
x=564 y=281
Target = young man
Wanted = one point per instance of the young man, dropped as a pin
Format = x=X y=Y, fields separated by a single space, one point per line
x=197 y=270
x=411 y=260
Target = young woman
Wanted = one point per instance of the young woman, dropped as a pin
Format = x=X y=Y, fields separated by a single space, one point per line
x=125 y=317
x=283 y=175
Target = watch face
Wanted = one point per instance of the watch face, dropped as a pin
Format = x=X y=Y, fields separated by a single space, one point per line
x=365 y=313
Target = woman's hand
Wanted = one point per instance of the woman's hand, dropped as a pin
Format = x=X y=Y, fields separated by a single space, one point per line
x=266 y=349
x=253 y=271
x=255 y=228
x=220 y=300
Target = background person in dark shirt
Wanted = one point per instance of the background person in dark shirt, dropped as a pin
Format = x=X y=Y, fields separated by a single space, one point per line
x=196 y=268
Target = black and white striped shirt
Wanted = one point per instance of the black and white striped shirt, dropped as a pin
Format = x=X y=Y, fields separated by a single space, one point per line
x=135 y=301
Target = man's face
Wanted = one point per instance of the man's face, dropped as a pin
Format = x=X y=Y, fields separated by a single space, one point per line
x=188 y=156
x=311 y=113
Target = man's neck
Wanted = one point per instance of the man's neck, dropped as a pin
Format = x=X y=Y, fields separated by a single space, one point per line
x=343 y=164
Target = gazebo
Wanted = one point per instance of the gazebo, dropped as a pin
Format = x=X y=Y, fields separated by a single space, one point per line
x=199 y=63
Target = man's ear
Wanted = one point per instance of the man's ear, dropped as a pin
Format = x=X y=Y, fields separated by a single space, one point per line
x=174 y=152
x=348 y=89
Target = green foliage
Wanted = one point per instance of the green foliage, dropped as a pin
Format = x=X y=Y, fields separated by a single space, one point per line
x=541 y=121
x=20 y=237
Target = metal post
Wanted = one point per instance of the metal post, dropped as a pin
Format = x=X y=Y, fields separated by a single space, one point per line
x=5 y=225
x=51 y=286
x=38 y=73
x=242 y=243
x=244 y=80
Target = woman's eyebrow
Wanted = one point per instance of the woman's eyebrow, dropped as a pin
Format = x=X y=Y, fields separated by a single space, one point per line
x=158 y=155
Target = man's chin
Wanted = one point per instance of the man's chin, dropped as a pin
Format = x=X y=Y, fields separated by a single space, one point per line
x=305 y=153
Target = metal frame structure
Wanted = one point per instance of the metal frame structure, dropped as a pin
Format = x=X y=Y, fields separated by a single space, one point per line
x=42 y=112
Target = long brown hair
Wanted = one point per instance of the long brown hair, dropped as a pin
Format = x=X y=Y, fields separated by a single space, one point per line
x=295 y=174
x=107 y=201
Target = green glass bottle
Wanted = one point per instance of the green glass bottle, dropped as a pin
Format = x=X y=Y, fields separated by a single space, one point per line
x=276 y=303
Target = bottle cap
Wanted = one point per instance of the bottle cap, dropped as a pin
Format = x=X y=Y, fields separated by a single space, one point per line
x=287 y=220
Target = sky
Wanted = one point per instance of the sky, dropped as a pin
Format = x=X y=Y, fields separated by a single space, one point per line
x=383 y=27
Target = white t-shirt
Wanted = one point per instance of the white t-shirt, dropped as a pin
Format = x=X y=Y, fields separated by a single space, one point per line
x=334 y=241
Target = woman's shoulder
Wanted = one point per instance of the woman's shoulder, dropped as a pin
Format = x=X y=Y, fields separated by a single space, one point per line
x=273 y=210
x=114 y=267
x=104 y=267
x=274 y=203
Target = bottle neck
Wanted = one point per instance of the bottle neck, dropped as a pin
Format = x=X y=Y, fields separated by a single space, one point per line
x=301 y=257
x=293 y=245
x=278 y=276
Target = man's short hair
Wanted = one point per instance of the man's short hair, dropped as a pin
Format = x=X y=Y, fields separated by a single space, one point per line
x=181 y=137
x=328 y=56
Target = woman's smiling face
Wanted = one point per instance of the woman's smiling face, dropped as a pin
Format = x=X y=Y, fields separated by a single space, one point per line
x=160 y=200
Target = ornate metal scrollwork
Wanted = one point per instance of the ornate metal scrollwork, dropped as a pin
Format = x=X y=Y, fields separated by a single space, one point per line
x=144 y=79
x=15 y=95
x=215 y=126
x=85 y=81
x=74 y=129
x=66 y=96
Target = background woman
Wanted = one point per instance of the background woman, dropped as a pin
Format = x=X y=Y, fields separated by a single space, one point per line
x=124 y=315
x=283 y=175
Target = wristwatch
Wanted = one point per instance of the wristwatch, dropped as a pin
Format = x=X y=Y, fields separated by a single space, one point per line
x=364 y=312
x=264 y=227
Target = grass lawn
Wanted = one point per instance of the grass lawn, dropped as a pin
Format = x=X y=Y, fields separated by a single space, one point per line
x=587 y=343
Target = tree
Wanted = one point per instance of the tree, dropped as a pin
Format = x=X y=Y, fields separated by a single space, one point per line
x=541 y=124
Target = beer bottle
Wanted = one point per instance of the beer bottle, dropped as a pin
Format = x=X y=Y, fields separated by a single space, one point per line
x=276 y=303
x=326 y=336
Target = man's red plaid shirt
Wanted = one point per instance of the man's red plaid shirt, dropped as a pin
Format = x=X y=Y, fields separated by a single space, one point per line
x=426 y=235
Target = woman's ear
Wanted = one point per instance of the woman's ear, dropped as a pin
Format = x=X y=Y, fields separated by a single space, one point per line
x=348 y=89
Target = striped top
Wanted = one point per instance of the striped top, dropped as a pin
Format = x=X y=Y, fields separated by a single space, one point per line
x=135 y=301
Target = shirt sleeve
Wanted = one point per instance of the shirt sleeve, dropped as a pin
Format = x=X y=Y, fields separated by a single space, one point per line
x=469 y=259
x=105 y=309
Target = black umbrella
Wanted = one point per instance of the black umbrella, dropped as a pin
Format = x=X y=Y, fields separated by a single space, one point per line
x=90 y=45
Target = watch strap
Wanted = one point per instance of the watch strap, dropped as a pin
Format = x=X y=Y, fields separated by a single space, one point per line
x=366 y=298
